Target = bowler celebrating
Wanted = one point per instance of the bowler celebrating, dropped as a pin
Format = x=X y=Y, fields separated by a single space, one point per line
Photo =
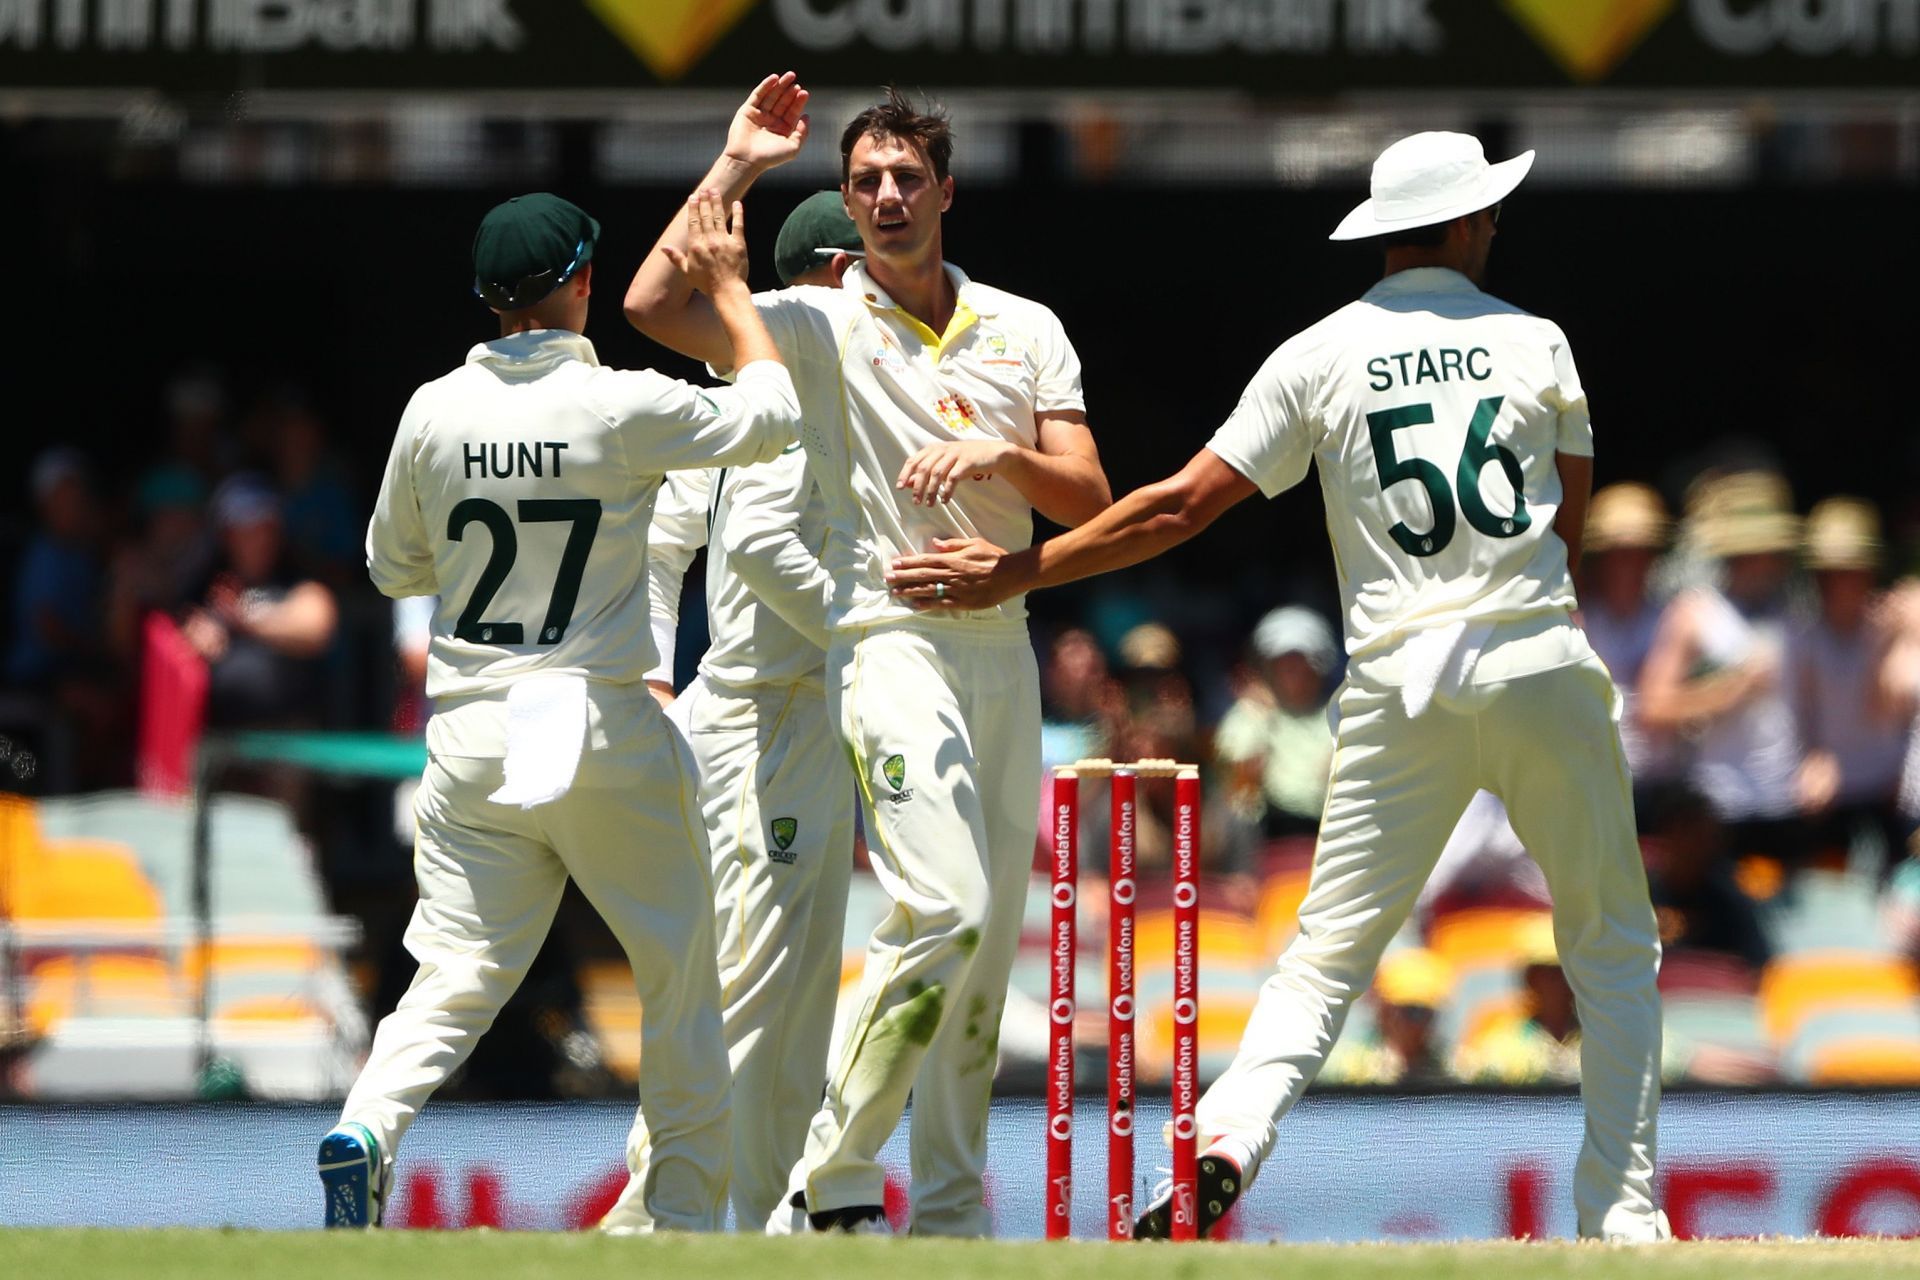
x=1454 y=448
x=935 y=408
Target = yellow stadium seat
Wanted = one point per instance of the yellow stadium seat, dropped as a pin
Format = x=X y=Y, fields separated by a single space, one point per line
x=1226 y=938
x=1795 y=987
x=270 y=1008
x=86 y=880
x=104 y=984
x=1866 y=1061
x=1482 y=936
x=239 y=953
x=20 y=848
x=1223 y=1021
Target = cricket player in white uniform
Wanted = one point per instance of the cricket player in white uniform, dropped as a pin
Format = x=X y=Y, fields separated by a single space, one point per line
x=934 y=408
x=519 y=490
x=1454 y=448
x=775 y=790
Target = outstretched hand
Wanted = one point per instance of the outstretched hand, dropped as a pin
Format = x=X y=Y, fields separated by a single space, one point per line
x=716 y=252
x=959 y=573
x=771 y=125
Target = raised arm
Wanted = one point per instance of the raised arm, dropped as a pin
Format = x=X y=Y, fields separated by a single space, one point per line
x=977 y=575
x=767 y=131
x=1061 y=478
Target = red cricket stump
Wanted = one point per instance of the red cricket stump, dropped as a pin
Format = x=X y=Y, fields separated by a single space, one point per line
x=1064 y=943
x=1121 y=891
x=1186 y=999
x=1122 y=1005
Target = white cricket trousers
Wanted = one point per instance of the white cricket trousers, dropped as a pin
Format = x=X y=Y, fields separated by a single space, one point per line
x=777 y=798
x=490 y=878
x=1548 y=745
x=943 y=721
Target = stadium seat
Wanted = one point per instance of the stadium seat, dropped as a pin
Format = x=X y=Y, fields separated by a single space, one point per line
x=1826 y=910
x=108 y=985
x=19 y=845
x=84 y=880
x=1722 y=1020
x=1477 y=937
x=1797 y=987
x=1866 y=1061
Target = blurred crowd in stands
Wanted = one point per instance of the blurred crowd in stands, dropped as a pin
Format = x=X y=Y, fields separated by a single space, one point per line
x=1768 y=663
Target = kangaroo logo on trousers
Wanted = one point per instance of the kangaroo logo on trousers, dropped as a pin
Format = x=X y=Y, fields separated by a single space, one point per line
x=894 y=770
x=784 y=830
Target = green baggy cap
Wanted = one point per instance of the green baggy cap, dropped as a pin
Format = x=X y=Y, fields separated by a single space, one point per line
x=528 y=247
x=817 y=229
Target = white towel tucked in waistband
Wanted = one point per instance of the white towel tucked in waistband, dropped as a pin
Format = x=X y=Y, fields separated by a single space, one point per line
x=546 y=731
x=1440 y=661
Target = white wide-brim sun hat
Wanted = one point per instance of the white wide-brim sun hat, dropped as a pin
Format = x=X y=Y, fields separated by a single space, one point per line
x=1430 y=178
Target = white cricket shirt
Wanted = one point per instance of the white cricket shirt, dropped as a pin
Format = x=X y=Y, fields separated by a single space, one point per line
x=876 y=386
x=520 y=488
x=767 y=592
x=1435 y=412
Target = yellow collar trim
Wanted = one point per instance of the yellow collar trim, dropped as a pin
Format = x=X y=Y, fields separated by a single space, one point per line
x=964 y=318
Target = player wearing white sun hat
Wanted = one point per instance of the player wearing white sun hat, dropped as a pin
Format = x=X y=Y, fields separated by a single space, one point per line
x=1454 y=447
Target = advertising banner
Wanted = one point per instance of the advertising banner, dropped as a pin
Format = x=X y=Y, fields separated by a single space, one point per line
x=1276 y=48
x=1347 y=1168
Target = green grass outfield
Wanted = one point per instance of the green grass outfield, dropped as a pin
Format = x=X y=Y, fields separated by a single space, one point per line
x=485 y=1255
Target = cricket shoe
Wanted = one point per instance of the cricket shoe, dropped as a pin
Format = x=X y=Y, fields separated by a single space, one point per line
x=854 y=1220
x=354 y=1176
x=1217 y=1184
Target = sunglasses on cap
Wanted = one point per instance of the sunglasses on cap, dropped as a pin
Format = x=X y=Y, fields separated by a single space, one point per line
x=528 y=290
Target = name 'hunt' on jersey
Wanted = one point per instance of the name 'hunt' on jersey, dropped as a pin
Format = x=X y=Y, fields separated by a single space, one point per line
x=513 y=460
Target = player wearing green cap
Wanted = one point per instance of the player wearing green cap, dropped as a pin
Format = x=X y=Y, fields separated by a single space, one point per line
x=774 y=784
x=518 y=492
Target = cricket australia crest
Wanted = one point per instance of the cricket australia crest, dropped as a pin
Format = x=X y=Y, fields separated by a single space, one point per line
x=784 y=830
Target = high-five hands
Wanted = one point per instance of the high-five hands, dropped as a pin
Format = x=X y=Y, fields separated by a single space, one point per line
x=959 y=573
x=771 y=125
x=716 y=254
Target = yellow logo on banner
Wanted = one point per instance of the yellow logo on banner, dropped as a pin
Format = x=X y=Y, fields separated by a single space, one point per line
x=670 y=35
x=1589 y=37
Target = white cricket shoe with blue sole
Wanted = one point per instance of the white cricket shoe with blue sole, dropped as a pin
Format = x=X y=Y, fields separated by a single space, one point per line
x=353 y=1175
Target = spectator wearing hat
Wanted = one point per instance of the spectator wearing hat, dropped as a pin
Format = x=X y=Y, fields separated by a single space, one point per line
x=1717 y=669
x=1403 y=1047
x=1275 y=738
x=260 y=624
x=1627 y=529
x=1854 y=725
